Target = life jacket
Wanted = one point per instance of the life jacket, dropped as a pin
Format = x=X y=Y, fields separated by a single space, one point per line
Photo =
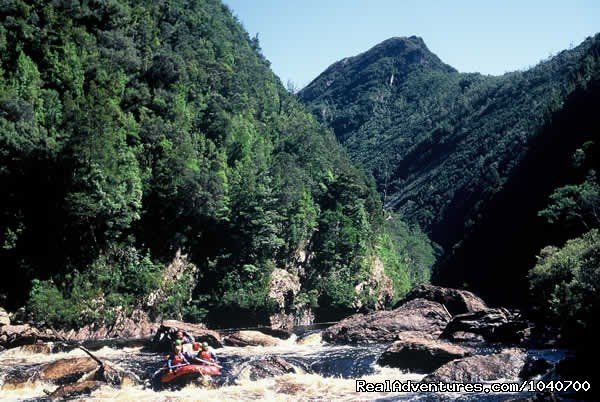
x=177 y=359
x=205 y=355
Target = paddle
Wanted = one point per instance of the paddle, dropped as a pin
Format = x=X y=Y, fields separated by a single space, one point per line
x=207 y=362
x=167 y=368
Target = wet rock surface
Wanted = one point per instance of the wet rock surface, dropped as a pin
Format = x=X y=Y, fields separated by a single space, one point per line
x=505 y=365
x=167 y=333
x=414 y=352
x=250 y=338
x=24 y=334
x=457 y=301
x=269 y=366
x=383 y=326
x=65 y=371
x=493 y=324
x=535 y=366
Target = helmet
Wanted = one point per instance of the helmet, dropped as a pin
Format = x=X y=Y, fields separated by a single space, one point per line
x=204 y=345
x=178 y=342
x=196 y=346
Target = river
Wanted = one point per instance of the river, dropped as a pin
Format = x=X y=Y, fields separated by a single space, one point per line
x=326 y=372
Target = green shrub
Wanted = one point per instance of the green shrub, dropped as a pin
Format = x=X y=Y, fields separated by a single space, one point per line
x=116 y=281
x=566 y=282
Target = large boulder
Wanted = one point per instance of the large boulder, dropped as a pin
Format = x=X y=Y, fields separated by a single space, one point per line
x=4 y=318
x=507 y=364
x=46 y=348
x=383 y=326
x=493 y=324
x=65 y=371
x=251 y=338
x=457 y=301
x=167 y=332
x=416 y=353
x=269 y=366
x=17 y=335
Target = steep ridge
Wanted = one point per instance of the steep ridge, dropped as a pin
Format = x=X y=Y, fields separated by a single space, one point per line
x=447 y=148
x=437 y=141
x=131 y=130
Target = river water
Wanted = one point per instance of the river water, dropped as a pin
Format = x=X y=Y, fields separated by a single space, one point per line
x=326 y=372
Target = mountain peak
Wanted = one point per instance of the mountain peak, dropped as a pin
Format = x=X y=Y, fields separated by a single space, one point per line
x=396 y=55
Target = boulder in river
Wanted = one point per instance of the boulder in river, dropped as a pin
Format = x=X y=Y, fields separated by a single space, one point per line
x=507 y=364
x=74 y=390
x=167 y=332
x=493 y=324
x=457 y=301
x=251 y=338
x=416 y=353
x=17 y=335
x=40 y=348
x=268 y=366
x=66 y=371
x=420 y=315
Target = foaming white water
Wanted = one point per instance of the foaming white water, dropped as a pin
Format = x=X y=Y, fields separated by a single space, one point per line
x=26 y=356
x=288 y=387
x=18 y=392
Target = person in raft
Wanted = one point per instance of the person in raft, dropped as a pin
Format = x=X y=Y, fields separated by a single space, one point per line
x=206 y=354
x=201 y=354
x=184 y=338
x=176 y=359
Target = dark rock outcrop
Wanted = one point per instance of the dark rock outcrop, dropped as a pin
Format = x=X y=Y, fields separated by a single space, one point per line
x=457 y=301
x=493 y=324
x=383 y=326
x=466 y=337
x=250 y=338
x=416 y=353
x=166 y=335
x=505 y=365
x=269 y=366
x=535 y=366
x=276 y=332
x=17 y=335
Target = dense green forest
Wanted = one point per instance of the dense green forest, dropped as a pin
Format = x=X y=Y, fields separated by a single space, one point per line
x=130 y=130
x=472 y=159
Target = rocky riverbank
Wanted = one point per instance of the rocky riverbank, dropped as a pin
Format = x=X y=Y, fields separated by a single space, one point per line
x=442 y=334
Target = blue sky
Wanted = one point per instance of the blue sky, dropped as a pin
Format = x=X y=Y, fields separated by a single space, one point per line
x=301 y=38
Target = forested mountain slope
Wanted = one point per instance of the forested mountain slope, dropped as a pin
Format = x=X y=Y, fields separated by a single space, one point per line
x=471 y=158
x=133 y=129
x=440 y=142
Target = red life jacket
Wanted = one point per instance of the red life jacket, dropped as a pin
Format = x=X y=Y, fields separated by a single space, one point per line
x=205 y=355
x=177 y=359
